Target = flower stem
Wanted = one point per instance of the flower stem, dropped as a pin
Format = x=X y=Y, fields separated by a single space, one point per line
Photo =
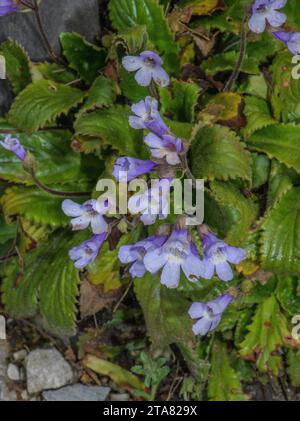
x=186 y=169
x=243 y=44
x=53 y=192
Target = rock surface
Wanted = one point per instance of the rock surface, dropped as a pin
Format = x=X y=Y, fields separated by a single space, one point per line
x=13 y=372
x=47 y=369
x=78 y=392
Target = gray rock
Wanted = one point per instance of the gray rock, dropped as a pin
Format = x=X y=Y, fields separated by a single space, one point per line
x=2 y=328
x=20 y=355
x=119 y=397
x=6 y=394
x=47 y=369
x=3 y=357
x=77 y=392
x=13 y=372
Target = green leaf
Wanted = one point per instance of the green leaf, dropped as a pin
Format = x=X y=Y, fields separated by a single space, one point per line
x=293 y=369
x=165 y=311
x=291 y=10
x=224 y=384
x=86 y=58
x=226 y=61
x=280 y=141
x=49 y=284
x=200 y=7
x=111 y=127
x=180 y=101
x=281 y=234
x=55 y=72
x=41 y=102
x=125 y=14
x=237 y=212
x=17 y=65
x=130 y=88
x=48 y=148
x=286 y=92
x=267 y=333
x=281 y=180
x=7 y=232
x=217 y=153
x=260 y=170
x=288 y=295
x=35 y=205
x=258 y=115
x=101 y=94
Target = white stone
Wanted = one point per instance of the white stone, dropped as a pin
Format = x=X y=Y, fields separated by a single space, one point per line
x=13 y=372
x=77 y=393
x=2 y=328
x=47 y=369
x=20 y=355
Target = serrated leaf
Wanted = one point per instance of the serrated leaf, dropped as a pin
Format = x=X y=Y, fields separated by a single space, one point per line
x=293 y=369
x=111 y=127
x=260 y=170
x=165 y=312
x=217 y=153
x=180 y=101
x=201 y=7
x=258 y=115
x=224 y=107
x=281 y=234
x=55 y=72
x=291 y=10
x=280 y=141
x=41 y=102
x=125 y=14
x=49 y=284
x=17 y=65
x=86 y=58
x=33 y=204
x=238 y=212
x=48 y=148
x=281 y=180
x=267 y=333
x=226 y=61
x=287 y=294
x=223 y=384
x=101 y=94
x=7 y=232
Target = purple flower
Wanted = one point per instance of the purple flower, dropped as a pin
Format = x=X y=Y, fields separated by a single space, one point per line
x=264 y=11
x=7 y=6
x=126 y=168
x=209 y=314
x=87 y=252
x=148 y=66
x=217 y=254
x=135 y=254
x=291 y=39
x=13 y=144
x=178 y=252
x=87 y=214
x=167 y=147
x=147 y=117
x=153 y=202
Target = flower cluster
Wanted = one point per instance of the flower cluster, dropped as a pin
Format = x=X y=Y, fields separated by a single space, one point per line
x=266 y=11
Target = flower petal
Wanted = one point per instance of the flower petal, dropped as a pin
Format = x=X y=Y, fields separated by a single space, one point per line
x=276 y=19
x=234 y=254
x=257 y=23
x=155 y=260
x=170 y=275
x=132 y=63
x=98 y=224
x=143 y=76
x=224 y=271
x=197 y=310
x=71 y=208
x=80 y=223
x=202 y=327
x=161 y=77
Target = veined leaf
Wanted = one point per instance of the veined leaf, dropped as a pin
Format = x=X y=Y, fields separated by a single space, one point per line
x=287 y=294
x=41 y=102
x=281 y=235
x=86 y=58
x=101 y=94
x=224 y=384
x=280 y=141
x=217 y=153
x=17 y=65
x=281 y=180
x=129 y=13
x=165 y=311
x=267 y=333
x=226 y=61
x=260 y=170
x=258 y=115
x=55 y=72
x=224 y=107
x=293 y=369
x=201 y=7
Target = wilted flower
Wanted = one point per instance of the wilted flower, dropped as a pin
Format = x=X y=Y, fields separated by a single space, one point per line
x=153 y=202
x=217 y=254
x=13 y=145
x=126 y=168
x=8 y=6
x=148 y=66
x=87 y=252
x=291 y=39
x=147 y=117
x=209 y=314
x=178 y=252
x=264 y=11
x=85 y=215
x=135 y=254
x=167 y=147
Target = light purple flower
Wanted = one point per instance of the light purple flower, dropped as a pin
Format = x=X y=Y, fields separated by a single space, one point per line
x=217 y=254
x=8 y=6
x=87 y=252
x=135 y=254
x=13 y=145
x=291 y=39
x=126 y=168
x=85 y=215
x=147 y=117
x=264 y=11
x=167 y=147
x=153 y=202
x=148 y=66
x=209 y=314
x=177 y=253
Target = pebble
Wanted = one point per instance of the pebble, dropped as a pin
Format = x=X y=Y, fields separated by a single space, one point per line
x=78 y=392
x=13 y=372
x=20 y=355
